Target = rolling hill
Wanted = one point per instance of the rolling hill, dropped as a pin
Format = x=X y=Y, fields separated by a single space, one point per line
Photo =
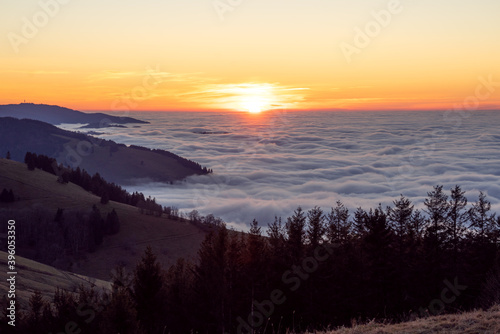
x=170 y=239
x=34 y=275
x=58 y=115
x=115 y=162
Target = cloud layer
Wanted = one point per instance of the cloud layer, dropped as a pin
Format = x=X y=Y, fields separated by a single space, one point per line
x=267 y=165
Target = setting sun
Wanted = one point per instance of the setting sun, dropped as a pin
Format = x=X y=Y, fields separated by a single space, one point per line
x=255 y=98
x=254 y=106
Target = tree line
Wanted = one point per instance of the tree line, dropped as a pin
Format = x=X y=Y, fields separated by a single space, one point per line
x=96 y=184
x=107 y=191
x=313 y=271
x=62 y=237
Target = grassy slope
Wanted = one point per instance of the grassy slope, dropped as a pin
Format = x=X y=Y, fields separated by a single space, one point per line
x=476 y=322
x=154 y=165
x=36 y=276
x=90 y=153
x=170 y=239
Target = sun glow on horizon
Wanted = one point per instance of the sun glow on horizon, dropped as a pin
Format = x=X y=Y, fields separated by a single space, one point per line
x=254 y=105
x=251 y=97
x=255 y=98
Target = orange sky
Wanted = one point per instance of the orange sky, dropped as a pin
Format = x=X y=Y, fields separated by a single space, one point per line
x=287 y=54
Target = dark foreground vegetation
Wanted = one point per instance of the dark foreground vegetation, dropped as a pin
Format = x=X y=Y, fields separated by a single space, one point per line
x=314 y=271
x=59 y=238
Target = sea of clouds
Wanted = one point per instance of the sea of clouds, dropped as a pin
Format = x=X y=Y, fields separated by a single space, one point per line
x=268 y=164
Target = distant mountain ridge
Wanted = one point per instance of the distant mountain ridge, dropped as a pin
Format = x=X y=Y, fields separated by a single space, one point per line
x=115 y=162
x=56 y=115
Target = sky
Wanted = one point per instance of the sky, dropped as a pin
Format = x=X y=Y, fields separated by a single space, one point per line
x=251 y=55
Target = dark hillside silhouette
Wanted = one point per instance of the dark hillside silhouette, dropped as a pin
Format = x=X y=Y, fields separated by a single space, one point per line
x=115 y=162
x=58 y=115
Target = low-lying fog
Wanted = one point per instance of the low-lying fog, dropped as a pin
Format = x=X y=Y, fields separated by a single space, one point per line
x=268 y=164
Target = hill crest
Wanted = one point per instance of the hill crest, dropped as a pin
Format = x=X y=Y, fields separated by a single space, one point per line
x=56 y=115
x=115 y=162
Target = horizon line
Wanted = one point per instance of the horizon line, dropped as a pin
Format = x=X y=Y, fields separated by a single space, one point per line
x=266 y=111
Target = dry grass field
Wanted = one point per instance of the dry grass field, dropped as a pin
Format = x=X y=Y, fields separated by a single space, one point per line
x=476 y=322
x=36 y=276
x=170 y=239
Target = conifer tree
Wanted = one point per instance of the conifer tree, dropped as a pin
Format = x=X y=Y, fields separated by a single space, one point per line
x=481 y=219
x=96 y=229
x=112 y=223
x=276 y=234
x=359 y=222
x=35 y=320
x=180 y=297
x=339 y=227
x=378 y=243
x=455 y=224
x=148 y=293
x=120 y=315
x=295 y=235
x=211 y=279
x=105 y=198
x=437 y=209
x=399 y=216
x=255 y=259
x=315 y=227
